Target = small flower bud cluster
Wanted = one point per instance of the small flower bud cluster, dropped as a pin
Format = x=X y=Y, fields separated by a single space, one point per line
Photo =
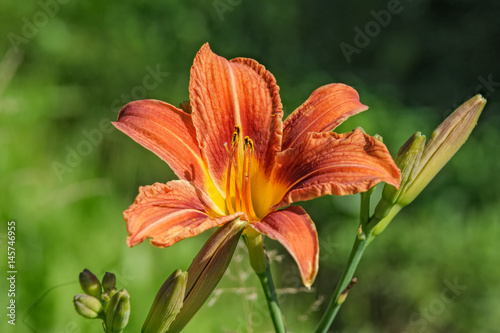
x=103 y=301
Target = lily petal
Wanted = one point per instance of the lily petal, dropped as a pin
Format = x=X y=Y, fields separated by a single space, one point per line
x=169 y=133
x=225 y=94
x=326 y=108
x=170 y=212
x=295 y=230
x=330 y=163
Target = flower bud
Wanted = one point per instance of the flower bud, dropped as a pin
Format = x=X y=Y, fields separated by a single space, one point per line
x=207 y=269
x=87 y=306
x=378 y=137
x=118 y=312
x=167 y=304
x=109 y=282
x=90 y=284
x=407 y=160
x=343 y=295
x=443 y=144
x=361 y=129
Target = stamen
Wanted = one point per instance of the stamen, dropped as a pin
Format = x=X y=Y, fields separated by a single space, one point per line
x=236 y=136
x=237 y=195
x=229 y=203
x=237 y=178
x=233 y=162
x=247 y=168
x=249 y=144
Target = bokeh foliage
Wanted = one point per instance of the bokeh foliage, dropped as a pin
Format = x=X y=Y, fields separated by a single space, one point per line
x=89 y=58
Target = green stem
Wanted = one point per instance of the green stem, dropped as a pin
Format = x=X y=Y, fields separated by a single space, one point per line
x=364 y=214
x=363 y=238
x=356 y=253
x=266 y=281
x=260 y=265
x=380 y=225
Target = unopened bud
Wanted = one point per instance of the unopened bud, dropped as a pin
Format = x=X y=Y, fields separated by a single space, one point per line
x=90 y=284
x=407 y=160
x=109 y=282
x=118 y=311
x=167 y=304
x=343 y=295
x=379 y=137
x=360 y=233
x=443 y=144
x=361 y=129
x=87 y=306
x=207 y=269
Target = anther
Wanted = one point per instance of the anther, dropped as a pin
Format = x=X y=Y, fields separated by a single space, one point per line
x=236 y=136
x=249 y=144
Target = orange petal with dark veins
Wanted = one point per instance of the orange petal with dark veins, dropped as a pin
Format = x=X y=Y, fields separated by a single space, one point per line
x=225 y=94
x=169 y=133
x=330 y=163
x=295 y=230
x=326 y=108
x=168 y=213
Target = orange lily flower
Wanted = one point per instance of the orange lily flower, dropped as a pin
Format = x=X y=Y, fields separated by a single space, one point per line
x=235 y=157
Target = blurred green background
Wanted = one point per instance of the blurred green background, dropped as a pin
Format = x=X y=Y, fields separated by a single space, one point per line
x=68 y=66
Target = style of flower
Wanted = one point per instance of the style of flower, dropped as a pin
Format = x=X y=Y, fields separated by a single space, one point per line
x=235 y=157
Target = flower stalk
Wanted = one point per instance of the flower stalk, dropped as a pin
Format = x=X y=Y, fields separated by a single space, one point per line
x=340 y=292
x=260 y=264
x=364 y=236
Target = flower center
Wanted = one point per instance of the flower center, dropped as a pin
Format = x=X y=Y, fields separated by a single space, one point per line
x=239 y=169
